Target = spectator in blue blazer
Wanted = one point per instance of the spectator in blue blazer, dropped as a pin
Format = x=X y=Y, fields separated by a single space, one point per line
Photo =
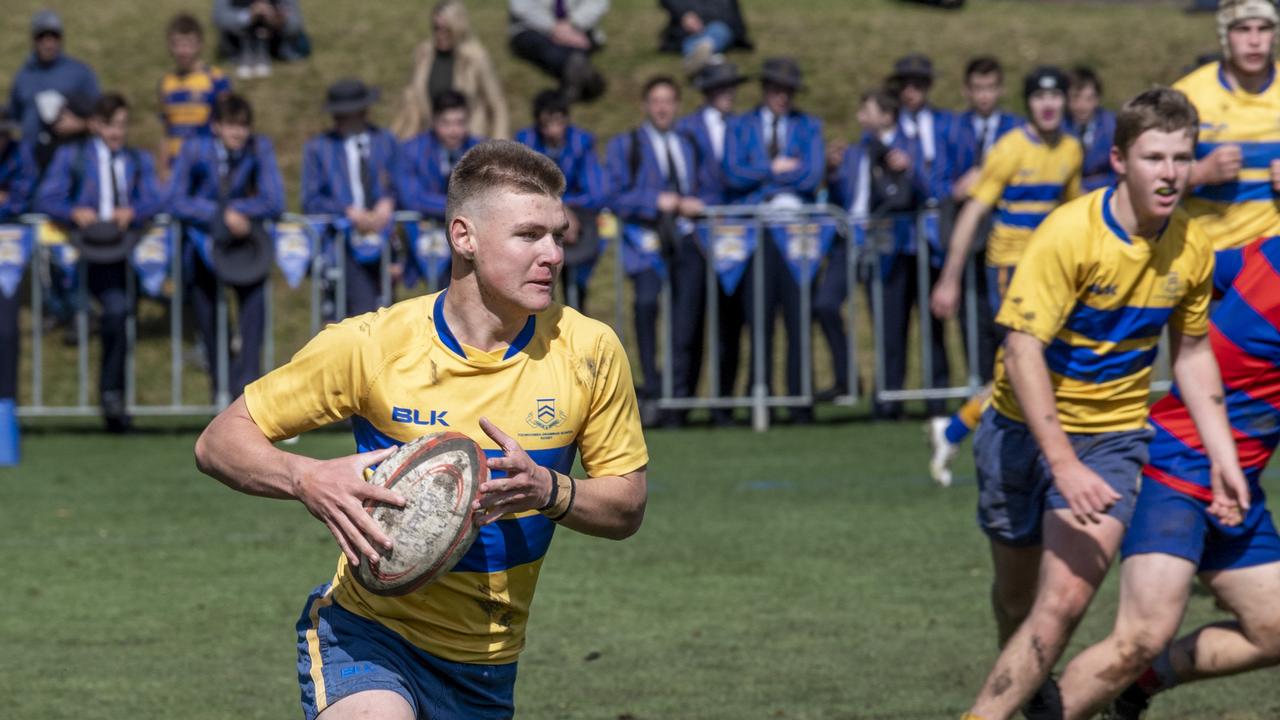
x=105 y=192
x=1093 y=124
x=224 y=189
x=975 y=131
x=774 y=155
x=17 y=171
x=707 y=128
x=875 y=180
x=586 y=191
x=929 y=127
x=657 y=191
x=930 y=130
x=427 y=159
x=348 y=173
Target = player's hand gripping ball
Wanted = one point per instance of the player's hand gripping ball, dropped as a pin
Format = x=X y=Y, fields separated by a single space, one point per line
x=439 y=476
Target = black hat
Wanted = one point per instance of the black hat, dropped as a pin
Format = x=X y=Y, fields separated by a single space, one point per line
x=717 y=76
x=103 y=242
x=1045 y=77
x=46 y=21
x=349 y=95
x=782 y=71
x=241 y=260
x=915 y=65
x=7 y=123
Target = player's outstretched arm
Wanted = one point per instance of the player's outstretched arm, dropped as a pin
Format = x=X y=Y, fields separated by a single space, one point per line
x=1088 y=495
x=945 y=298
x=610 y=507
x=234 y=451
x=1200 y=385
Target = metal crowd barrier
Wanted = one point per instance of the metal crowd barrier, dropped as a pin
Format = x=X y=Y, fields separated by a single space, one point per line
x=322 y=273
x=860 y=257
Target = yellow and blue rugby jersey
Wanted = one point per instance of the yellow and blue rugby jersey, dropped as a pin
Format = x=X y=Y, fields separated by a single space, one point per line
x=1236 y=213
x=1024 y=179
x=1099 y=299
x=563 y=386
x=186 y=103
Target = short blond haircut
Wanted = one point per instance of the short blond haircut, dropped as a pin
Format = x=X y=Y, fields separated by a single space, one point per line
x=501 y=164
x=1159 y=108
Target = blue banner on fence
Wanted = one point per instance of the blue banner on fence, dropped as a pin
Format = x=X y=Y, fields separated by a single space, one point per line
x=429 y=252
x=730 y=245
x=15 y=251
x=152 y=258
x=293 y=251
x=803 y=245
x=641 y=250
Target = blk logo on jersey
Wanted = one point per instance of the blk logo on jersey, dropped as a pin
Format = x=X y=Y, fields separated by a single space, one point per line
x=413 y=416
x=545 y=415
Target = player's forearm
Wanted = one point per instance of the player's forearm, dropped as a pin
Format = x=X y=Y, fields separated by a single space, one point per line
x=609 y=507
x=233 y=451
x=962 y=235
x=1024 y=360
x=1200 y=385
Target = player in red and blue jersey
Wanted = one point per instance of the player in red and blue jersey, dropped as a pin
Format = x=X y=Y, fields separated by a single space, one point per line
x=1174 y=537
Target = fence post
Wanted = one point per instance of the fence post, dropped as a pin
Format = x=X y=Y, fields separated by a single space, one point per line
x=760 y=383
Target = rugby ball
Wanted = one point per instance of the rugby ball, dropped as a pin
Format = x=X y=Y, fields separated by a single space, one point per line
x=439 y=476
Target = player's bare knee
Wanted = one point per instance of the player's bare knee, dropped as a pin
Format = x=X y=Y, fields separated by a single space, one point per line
x=1266 y=637
x=1012 y=602
x=1063 y=604
x=1134 y=652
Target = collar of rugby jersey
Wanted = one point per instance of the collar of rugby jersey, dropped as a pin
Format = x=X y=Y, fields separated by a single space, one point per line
x=1226 y=84
x=466 y=352
x=1116 y=228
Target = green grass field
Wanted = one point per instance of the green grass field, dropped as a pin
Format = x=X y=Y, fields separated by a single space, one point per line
x=806 y=573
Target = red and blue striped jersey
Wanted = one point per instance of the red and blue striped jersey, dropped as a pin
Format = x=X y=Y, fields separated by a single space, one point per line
x=1245 y=333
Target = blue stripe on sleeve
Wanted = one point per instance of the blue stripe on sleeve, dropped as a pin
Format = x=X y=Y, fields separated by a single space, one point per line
x=1238 y=191
x=1085 y=365
x=1124 y=323
x=1254 y=155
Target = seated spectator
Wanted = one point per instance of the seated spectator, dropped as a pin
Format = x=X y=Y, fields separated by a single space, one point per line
x=453 y=59
x=225 y=188
x=252 y=32
x=1093 y=125
x=16 y=174
x=585 y=194
x=187 y=92
x=349 y=172
x=46 y=80
x=105 y=192
x=701 y=30
x=559 y=37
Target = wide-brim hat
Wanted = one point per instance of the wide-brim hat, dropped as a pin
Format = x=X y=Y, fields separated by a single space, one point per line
x=103 y=242
x=717 y=76
x=349 y=95
x=242 y=260
x=915 y=65
x=782 y=71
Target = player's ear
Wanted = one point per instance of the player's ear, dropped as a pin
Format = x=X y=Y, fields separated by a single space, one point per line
x=462 y=237
x=1118 y=164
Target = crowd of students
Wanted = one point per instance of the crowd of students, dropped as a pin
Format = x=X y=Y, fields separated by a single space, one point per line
x=224 y=187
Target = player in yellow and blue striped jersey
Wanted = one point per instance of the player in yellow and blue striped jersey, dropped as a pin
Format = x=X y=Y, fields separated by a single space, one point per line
x=189 y=91
x=1237 y=173
x=1029 y=172
x=1060 y=449
x=536 y=383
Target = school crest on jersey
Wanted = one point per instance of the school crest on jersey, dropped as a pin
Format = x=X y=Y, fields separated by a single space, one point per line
x=545 y=416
